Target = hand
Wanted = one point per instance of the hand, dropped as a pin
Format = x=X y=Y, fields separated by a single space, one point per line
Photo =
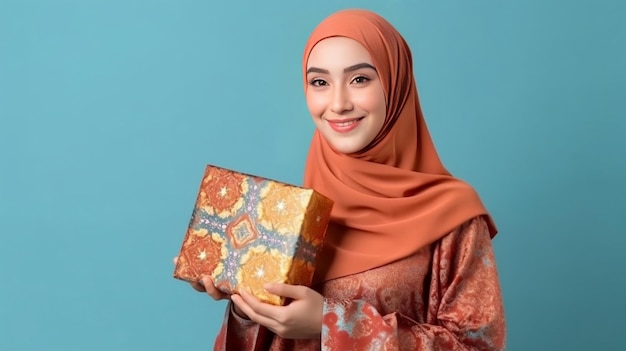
x=301 y=319
x=206 y=285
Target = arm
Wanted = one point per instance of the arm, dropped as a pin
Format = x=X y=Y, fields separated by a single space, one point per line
x=465 y=310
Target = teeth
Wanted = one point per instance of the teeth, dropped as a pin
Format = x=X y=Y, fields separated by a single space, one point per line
x=345 y=124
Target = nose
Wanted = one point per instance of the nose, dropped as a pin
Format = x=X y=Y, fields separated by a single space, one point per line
x=341 y=101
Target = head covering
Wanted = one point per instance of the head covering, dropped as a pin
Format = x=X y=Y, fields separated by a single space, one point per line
x=395 y=196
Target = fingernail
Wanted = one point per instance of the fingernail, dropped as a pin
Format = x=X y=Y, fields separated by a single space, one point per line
x=268 y=286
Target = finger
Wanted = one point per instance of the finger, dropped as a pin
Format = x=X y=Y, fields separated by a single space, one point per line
x=206 y=281
x=241 y=305
x=261 y=309
x=238 y=310
x=249 y=311
x=175 y=259
x=209 y=287
x=197 y=286
x=296 y=292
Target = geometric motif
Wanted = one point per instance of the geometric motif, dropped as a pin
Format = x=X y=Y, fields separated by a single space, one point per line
x=242 y=231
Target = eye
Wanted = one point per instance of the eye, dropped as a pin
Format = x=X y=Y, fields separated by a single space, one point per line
x=318 y=82
x=360 y=80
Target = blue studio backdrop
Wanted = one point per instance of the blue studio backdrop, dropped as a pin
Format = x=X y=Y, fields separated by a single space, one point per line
x=109 y=111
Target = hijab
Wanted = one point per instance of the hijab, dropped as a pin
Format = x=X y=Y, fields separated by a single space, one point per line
x=394 y=197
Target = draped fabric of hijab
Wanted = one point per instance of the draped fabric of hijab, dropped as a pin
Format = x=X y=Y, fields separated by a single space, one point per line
x=395 y=196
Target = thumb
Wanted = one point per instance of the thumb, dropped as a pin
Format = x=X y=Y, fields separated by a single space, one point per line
x=295 y=292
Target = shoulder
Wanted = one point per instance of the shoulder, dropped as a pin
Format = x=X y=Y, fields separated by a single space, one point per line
x=478 y=225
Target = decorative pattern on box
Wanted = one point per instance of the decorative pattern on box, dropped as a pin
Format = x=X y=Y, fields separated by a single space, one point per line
x=246 y=231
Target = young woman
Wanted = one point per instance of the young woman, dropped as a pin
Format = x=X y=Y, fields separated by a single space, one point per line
x=408 y=262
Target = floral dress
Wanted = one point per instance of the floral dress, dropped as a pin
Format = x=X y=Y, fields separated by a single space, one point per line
x=445 y=297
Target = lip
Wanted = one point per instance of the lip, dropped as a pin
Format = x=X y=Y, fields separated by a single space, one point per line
x=344 y=125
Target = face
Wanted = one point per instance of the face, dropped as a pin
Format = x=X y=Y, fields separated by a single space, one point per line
x=344 y=94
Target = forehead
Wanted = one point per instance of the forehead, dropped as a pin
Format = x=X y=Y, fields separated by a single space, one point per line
x=338 y=52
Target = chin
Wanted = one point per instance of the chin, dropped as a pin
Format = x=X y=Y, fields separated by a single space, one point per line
x=346 y=144
x=345 y=149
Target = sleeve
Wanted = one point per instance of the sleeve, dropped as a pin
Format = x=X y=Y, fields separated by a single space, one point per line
x=240 y=334
x=465 y=309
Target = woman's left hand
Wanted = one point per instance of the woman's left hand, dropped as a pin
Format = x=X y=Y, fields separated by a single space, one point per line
x=301 y=319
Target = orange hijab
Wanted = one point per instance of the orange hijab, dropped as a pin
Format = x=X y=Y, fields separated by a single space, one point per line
x=395 y=196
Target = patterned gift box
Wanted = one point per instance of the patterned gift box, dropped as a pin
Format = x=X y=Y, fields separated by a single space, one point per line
x=246 y=231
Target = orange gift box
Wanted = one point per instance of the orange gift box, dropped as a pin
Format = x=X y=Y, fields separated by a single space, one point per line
x=246 y=231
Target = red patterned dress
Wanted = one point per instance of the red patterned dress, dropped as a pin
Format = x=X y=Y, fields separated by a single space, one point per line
x=445 y=297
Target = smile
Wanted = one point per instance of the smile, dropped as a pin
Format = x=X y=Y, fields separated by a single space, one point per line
x=344 y=125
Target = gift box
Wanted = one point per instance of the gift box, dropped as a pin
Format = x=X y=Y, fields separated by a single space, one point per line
x=246 y=231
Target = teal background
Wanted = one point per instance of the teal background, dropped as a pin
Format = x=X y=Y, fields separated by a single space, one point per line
x=109 y=111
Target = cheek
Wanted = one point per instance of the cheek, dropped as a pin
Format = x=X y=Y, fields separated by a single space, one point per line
x=316 y=104
x=373 y=101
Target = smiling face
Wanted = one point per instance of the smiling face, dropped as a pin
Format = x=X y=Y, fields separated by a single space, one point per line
x=344 y=94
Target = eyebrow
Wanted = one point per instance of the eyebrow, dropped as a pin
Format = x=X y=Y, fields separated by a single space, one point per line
x=345 y=70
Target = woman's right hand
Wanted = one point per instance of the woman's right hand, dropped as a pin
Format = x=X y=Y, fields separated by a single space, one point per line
x=206 y=285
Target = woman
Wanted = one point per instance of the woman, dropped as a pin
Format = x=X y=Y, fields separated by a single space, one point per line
x=408 y=263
